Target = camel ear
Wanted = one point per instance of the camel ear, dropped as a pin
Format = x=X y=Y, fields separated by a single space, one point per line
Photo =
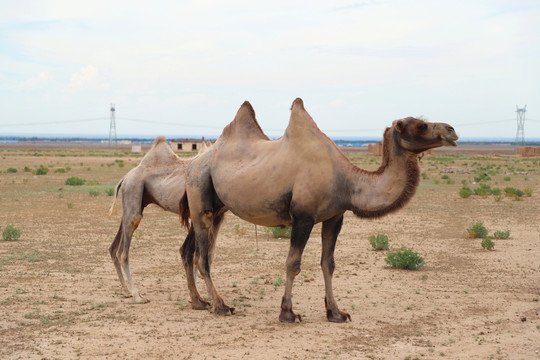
x=399 y=125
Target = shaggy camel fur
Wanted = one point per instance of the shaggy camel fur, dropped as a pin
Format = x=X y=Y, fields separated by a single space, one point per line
x=300 y=179
x=158 y=179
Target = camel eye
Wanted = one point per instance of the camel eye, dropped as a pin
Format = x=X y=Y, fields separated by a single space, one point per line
x=422 y=128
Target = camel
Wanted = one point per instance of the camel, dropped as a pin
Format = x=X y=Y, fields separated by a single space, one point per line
x=158 y=179
x=298 y=180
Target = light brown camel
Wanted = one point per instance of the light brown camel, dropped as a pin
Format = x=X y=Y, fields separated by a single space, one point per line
x=158 y=179
x=300 y=179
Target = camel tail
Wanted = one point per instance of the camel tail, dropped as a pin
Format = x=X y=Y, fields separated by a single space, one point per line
x=184 y=212
x=112 y=210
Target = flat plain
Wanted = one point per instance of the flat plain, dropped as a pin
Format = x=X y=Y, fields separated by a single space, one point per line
x=60 y=297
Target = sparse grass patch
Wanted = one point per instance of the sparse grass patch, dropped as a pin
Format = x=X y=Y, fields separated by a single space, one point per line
x=93 y=193
x=11 y=170
x=109 y=192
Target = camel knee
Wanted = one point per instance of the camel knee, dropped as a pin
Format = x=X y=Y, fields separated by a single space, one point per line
x=294 y=267
x=134 y=222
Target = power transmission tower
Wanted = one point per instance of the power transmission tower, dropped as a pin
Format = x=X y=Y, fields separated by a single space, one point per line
x=112 y=129
x=520 y=134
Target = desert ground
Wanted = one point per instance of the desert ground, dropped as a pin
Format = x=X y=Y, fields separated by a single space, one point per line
x=60 y=297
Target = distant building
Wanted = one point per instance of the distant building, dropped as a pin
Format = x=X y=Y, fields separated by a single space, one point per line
x=186 y=145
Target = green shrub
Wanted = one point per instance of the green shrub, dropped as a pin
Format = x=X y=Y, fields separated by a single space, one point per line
x=60 y=170
x=11 y=170
x=279 y=232
x=510 y=191
x=477 y=230
x=528 y=192
x=405 y=259
x=465 y=192
x=109 y=192
x=11 y=233
x=27 y=169
x=41 y=170
x=445 y=177
x=487 y=243
x=482 y=177
x=501 y=234
x=424 y=176
x=496 y=191
x=75 y=181
x=507 y=178
x=483 y=190
x=379 y=242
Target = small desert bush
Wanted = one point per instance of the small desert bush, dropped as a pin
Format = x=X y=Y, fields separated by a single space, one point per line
x=41 y=170
x=465 y=192
x=109 y=192
x=11 y=170
x=379 y=242
x=74 y=180
x=445 y=177
x=483 y=190
x=528 y=192
x=279 y=232
x=60 y=170
x=11 y=233
x=510 y=191
x=27 y=169
x=405 y=259
x=501 y=234
x=487 y=243
x=477 y=231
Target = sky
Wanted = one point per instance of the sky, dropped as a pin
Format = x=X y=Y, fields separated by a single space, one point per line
x=179 y=67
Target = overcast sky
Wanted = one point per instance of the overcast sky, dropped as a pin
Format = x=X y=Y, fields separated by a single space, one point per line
x=184 y=67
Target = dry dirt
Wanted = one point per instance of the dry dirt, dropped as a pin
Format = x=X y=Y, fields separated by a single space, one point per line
x=60 y=297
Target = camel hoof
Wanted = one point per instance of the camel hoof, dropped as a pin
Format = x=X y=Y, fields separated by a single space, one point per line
x=138 y=299
x=289 y=316
x=341 y=317
x=200 y=304
x=223 y=310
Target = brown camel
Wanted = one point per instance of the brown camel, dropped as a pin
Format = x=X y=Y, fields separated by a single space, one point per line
x=300 y=179
x=158 y=179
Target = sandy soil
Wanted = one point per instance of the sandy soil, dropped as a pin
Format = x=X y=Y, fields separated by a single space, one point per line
x=60 y=297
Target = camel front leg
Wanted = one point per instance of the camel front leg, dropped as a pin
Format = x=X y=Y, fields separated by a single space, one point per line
x=301 y=229
x=330 y=232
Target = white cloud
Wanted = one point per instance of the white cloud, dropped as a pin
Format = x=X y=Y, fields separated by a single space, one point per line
x=34 y=82
x=86 y=78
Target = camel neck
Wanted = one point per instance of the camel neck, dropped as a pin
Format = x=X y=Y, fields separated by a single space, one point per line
x=390 y=187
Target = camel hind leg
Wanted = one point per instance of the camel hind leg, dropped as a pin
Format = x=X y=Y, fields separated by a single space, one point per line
x=123 y=254
x=187 y=251
x=205 y=239
x=113 y=251
x=330 y=232
x=301 y=229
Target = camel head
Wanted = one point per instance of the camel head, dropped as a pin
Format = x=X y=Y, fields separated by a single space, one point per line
x=417 y=135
